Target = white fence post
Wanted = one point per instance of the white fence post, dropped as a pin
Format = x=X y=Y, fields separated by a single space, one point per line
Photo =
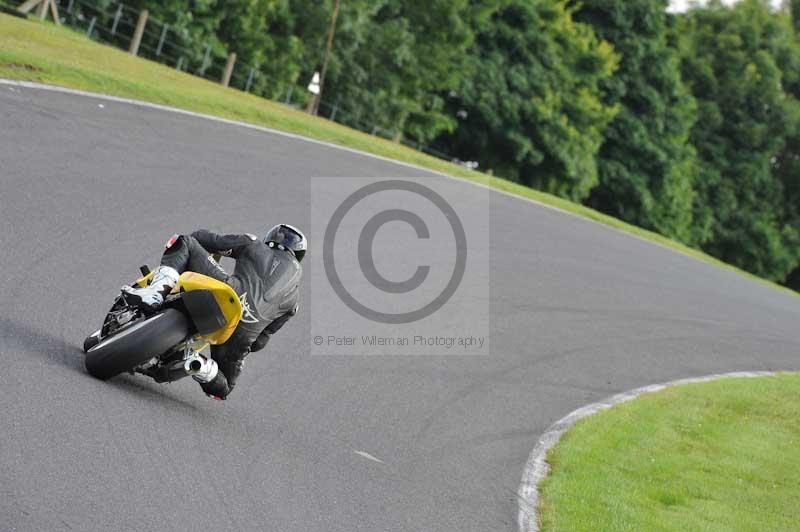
x=206 y=57
x=249 y=79
x=226 y=75
x=138 y=32
x=117 y=16
x=41 y=12
x=161 y=39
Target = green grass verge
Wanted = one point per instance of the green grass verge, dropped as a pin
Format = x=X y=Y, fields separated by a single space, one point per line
x=715 y=456
x=42 y=52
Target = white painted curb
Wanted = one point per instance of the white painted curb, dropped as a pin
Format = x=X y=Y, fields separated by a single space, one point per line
x=536 y=468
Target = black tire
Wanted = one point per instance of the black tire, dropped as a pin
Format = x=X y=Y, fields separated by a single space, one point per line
x=136 y=343
x=90 y=342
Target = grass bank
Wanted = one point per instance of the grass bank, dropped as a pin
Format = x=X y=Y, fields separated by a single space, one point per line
x=714 y=456
x=34 y=51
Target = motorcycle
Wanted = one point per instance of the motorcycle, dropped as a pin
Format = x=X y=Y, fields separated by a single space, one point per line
x=164 y=344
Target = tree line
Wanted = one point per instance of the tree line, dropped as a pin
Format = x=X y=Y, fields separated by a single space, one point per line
x=686 y=124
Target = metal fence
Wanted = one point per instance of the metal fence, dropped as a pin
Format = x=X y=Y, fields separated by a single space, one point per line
x=116 y=25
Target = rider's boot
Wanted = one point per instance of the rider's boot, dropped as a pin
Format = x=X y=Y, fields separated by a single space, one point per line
x=213 y=381
x=152 y=296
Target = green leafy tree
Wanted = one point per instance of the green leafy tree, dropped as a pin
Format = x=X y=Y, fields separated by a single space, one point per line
x=391 y=61
x=787 y=165
x=794 y=10
x=787 y=168
x=261 y=34
x=646 y=162
x=531 y=107
x=738 y=62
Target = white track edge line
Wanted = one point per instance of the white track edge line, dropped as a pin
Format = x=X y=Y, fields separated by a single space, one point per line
x=150 y=105
x=536 y=468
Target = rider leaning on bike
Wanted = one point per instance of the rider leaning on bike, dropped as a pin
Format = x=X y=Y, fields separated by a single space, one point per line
x=266 y=277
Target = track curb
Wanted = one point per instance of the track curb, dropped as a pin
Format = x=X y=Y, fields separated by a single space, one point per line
x=537 y=468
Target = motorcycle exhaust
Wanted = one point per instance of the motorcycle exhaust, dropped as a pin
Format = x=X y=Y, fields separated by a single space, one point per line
x=193 y=365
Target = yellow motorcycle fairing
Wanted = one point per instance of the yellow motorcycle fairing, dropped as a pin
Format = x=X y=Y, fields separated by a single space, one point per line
x=224 y=295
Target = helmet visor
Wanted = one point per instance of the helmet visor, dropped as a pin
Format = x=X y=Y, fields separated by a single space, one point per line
x=292 y=239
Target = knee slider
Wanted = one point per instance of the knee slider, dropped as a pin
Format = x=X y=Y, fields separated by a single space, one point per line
x=174 y=243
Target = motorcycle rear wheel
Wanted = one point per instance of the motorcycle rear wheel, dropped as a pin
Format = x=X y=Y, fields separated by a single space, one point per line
x=136 y=343
x=91 y=341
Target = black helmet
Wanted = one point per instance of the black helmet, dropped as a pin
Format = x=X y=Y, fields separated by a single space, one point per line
x=285 y=236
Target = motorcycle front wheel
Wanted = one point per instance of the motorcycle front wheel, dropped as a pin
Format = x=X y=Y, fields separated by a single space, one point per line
x=136 y=343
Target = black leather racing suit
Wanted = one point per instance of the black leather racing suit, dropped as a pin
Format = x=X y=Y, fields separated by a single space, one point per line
x=266 y=279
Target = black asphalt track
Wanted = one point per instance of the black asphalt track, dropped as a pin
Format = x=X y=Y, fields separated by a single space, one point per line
x=87 y=193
